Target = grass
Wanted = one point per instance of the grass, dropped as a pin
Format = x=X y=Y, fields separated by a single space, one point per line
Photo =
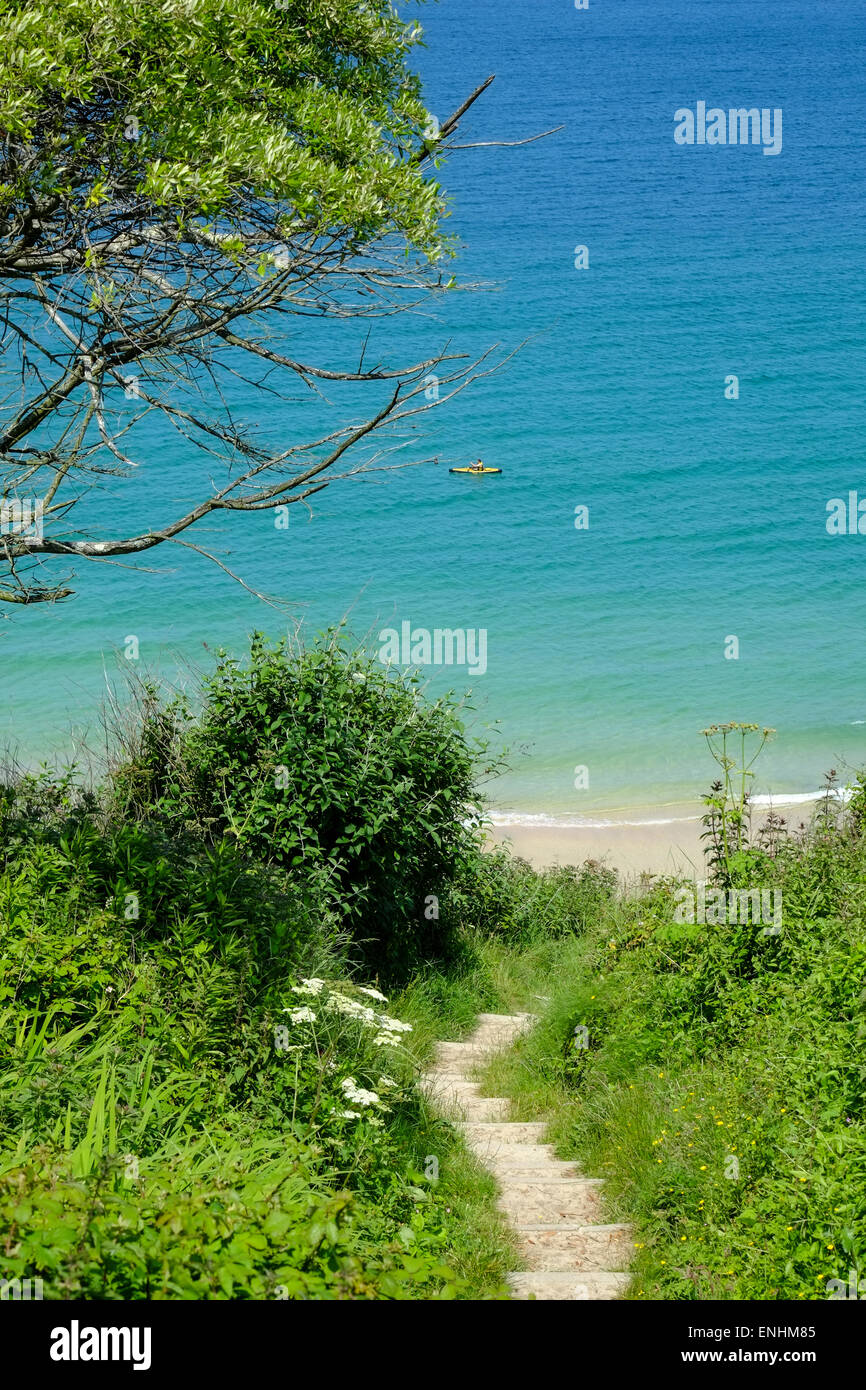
x=713 y=1076
x=204 y=1093
x=501 y=978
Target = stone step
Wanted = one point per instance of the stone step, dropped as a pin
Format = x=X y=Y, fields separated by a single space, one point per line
x=497 y=1030
x=446 y=1072
x=560 y=1286
x=462 y=1107
x=532 y=1172
x=449 y=1081
x=465 y=1063
x=449 y=1084
x=499 y=1136
x=489 y=1043
x=463 y=1054
x=506 y=1156
x=481 y=1109
x=520 y=1155
x=565 y=1201
x=563 y=1248
x=500 y=1023
x=554 y=1211
x=516 y=1020
x=520 y=1158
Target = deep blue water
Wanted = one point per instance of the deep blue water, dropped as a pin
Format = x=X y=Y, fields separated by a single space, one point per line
x=707 y=515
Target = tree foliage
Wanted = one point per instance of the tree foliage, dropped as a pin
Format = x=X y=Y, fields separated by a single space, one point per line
x=136 y=110
x=321 y=763
x=181 y=183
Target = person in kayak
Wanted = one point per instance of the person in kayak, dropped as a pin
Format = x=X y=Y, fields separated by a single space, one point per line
x=478 y=467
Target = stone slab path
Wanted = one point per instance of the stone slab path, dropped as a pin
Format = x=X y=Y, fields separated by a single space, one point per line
x=554 y=1209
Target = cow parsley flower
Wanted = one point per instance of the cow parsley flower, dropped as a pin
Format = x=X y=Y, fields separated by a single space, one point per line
x=356 y=1094
x=393 y=1025
x=351 y=1007
x=372 y=993
x=300 y=1015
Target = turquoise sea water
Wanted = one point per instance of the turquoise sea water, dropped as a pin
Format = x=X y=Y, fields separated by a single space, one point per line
x=605 y=647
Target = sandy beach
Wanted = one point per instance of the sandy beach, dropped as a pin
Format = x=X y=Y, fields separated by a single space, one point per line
x=672 y=848
x=669 y=843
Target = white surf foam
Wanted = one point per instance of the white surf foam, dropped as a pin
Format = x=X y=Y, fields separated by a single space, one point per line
x=541 y=820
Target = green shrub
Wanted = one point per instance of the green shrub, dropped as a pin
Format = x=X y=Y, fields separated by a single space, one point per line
x=713 y=1074
x=523 y=905
x=84 y=910
x=173 y=1122
x=322 y=762
x=260 y=1231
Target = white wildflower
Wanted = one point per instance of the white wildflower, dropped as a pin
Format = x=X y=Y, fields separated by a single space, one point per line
x=301 y=1015
x=356 y=1094
x=351 y=1007
x=313 y=986
x=384 y=1082
x=350 y=1114
x=393 y=1025
x=372 y=993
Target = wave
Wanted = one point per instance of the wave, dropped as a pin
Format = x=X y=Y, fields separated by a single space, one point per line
x=542 y=820
x=800 y=798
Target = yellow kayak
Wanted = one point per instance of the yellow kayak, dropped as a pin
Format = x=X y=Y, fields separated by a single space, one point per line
x=476 y=471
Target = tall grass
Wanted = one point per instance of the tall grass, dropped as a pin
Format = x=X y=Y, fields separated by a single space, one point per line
x=712 y=1074
x=201 y=1094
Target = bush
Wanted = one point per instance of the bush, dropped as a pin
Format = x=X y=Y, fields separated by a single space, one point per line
x=321 y=762
x=174 y=1120
x=265 y=1230
x=507 y=898
x=86 y=908
x=719 y=1085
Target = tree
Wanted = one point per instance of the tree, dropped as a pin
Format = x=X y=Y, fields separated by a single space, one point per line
x=179 y=179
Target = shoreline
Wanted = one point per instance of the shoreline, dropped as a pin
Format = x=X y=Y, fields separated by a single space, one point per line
x=669 y=844
x=667 y=848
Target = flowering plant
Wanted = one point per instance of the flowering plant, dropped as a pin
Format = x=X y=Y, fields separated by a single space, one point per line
x=331 y=1042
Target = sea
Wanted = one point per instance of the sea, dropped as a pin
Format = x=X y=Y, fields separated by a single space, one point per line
x=678 y=411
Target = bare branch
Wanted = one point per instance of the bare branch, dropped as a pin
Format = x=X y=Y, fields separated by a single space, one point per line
x=115 y=311
x=505 y=144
